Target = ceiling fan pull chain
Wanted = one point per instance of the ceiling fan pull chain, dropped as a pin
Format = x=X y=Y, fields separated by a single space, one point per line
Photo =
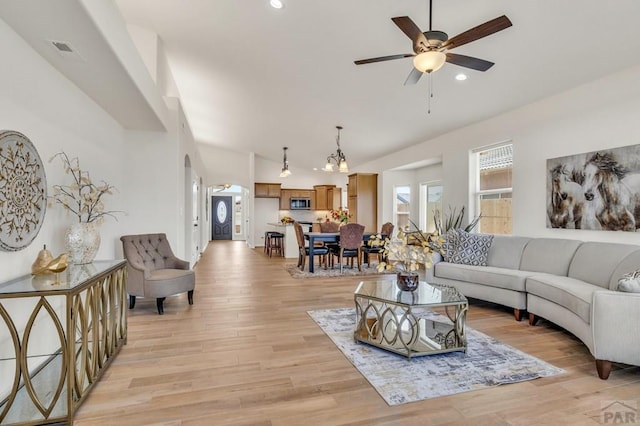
x=430 y=94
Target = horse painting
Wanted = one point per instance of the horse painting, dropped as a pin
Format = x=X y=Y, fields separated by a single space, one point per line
x=618 y=189
x=567 y=199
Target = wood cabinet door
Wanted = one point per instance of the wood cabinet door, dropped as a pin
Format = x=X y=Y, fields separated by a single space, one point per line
x=321 y=198
x=261 y=190
x=285 y=199
x=273 y=190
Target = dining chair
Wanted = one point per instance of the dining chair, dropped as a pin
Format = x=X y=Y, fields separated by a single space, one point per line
x=303 y=250
x=330 y=227
x=386 y=231
x=350 y=244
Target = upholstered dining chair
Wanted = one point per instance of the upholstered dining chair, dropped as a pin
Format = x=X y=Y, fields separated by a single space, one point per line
x=154 y=271
x=303 y=250
x=329 y=227
x=350 y=243
x=387 y=230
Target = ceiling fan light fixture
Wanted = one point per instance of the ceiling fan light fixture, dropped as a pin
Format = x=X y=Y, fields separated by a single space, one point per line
x=429 y=61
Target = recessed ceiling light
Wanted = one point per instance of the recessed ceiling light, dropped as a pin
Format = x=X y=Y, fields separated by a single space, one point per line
x=276 y=4
x=461 y=77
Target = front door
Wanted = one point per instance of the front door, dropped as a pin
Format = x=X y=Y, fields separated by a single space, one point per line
x=222 y=219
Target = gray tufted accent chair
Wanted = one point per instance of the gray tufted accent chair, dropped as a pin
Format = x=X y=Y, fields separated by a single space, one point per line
x=154 y=271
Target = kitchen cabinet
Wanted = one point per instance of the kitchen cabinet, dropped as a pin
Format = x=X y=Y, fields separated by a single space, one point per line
x=362 y=200
x=267 y=190
x=334 y=198
x=287 y=194
x=328 y=197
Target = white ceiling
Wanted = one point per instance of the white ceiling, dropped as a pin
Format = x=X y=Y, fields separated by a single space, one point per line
x=252 y=78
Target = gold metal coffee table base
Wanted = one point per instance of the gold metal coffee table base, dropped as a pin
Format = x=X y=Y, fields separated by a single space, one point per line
x=394 y=320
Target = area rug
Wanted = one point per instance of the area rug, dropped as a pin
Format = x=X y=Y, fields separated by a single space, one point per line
x=398 y=380
x=320 y=272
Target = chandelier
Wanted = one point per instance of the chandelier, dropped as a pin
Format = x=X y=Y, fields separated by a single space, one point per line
x=338 y=158
x=285 y=165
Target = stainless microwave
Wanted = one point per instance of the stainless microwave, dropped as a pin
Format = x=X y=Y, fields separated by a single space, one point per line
x=301 y=204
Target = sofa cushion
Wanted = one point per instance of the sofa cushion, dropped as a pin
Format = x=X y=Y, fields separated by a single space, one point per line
x=511 y=279
x=596 y=262
x=574 y=295
x=506 y=251
x=549 y=255
x=471 y=249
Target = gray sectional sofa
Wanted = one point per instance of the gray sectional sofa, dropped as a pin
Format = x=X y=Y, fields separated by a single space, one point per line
x=570 y=283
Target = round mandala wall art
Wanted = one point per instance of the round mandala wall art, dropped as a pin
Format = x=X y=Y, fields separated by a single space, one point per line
x=23 y=191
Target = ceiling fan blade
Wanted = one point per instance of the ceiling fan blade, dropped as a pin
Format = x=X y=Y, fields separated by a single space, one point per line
x=383 y=58
x=469 y=62
x=407 y=26
x=414 y=76
x=478 y=32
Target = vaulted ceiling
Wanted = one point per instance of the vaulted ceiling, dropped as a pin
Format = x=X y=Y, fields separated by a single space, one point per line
x=253 y=78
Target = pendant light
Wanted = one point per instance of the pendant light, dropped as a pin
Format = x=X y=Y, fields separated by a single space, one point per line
x=285 y=165
x=338 y=157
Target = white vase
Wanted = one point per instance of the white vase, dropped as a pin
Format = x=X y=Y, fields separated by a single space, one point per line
x=82 y=241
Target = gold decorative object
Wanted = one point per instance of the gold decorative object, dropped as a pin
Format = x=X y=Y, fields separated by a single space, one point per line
x=43 y=259
x=44 y=263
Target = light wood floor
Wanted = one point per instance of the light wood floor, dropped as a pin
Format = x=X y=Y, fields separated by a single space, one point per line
x=247 y=353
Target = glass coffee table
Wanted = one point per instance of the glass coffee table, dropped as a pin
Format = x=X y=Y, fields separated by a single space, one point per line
x=399 y=321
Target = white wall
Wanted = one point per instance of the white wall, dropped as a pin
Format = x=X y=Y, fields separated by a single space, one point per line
x=599 y=115
x=39 y=102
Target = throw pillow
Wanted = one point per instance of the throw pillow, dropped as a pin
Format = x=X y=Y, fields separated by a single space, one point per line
x=450 y=244
x=472 y=249
x=630 y=282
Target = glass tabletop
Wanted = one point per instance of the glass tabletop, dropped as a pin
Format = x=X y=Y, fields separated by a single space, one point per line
x=73 y=276
x=425 y=295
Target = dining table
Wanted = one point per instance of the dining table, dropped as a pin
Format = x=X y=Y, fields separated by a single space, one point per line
x=328 y=237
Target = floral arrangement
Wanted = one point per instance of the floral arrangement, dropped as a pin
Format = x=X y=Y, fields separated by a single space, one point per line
x=403 y=256
x=286 y=219
x=341 y=215
x=83 y=198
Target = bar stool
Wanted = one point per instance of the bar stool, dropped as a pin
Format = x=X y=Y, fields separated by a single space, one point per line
x=274 y=241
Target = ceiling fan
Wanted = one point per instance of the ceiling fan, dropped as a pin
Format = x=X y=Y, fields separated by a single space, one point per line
x=221 y=187
x=431 y=48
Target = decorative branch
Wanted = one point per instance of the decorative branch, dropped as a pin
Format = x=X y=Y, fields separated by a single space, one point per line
x=82 y=197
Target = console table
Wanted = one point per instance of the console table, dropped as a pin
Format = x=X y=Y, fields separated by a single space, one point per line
x=57 y=336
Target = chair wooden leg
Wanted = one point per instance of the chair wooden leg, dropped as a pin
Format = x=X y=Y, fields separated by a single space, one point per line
x=533 y=319
x=190 y=297
x=304 y=260
x=159 y=304
x=132 y=301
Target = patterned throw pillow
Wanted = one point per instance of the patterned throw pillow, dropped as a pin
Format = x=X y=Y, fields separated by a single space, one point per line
x=471 y=249
x=449 y=246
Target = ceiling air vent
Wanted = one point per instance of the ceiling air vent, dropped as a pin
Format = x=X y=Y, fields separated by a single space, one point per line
x=65 y=49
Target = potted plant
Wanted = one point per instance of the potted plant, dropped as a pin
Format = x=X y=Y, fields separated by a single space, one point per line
x=405 y=253
x=341 y=215
x=85 y=200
